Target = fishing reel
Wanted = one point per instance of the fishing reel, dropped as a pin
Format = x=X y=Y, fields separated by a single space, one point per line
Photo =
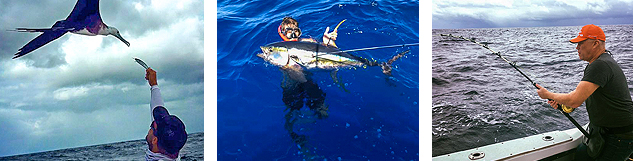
x=565 y=109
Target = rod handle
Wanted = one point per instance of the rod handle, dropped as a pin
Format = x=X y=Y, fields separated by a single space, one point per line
x=561 y=107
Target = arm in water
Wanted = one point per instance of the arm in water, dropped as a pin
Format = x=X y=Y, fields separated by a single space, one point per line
x=573 y=99
x=157 y=99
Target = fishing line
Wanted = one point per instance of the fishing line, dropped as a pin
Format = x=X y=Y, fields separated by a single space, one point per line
x=377 y=47
x=563 y=109
x=368 y=48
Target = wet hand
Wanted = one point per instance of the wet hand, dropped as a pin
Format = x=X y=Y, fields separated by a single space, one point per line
x=150 y=76
x=329 y=37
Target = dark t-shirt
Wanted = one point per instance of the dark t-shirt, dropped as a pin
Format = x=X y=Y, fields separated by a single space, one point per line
x=610 y=105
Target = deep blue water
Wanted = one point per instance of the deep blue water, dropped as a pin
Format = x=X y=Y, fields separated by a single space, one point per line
x=479 y=99
x=376 y=120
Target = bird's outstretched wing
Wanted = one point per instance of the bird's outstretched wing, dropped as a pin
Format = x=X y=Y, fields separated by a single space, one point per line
x=38 y=30
x=83 y=10
x=39 y=41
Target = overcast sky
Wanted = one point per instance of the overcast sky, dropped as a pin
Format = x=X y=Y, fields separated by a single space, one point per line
x=87 y=90
x=449 y=14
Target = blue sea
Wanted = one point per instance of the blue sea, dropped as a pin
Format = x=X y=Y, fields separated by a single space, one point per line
x=376 y=120
x=479 y=99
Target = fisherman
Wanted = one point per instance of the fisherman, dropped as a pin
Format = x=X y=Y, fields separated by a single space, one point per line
x=605 y=91
x=297 y=84
x=167 y=134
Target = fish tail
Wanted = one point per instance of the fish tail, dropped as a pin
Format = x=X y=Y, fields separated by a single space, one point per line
x=386 y=66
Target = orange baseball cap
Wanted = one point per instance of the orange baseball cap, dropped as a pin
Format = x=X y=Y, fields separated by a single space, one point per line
x=589 y=32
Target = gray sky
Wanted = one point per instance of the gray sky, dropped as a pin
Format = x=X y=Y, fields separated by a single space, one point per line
x=449 y=14
x=87 y=90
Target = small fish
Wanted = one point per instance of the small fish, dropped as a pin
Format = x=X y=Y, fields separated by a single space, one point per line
x=140 y=62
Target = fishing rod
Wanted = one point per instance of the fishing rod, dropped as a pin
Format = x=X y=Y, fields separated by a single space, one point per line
x=563 y=109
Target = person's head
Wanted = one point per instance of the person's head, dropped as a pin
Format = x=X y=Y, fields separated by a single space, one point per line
x=289 y=29
x=167 y=133
x=590 y=42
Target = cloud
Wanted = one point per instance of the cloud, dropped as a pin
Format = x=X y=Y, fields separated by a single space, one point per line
x=154 y=13
x=85 y=90
x=178 y=48
x=473 y=14
x=68 y=93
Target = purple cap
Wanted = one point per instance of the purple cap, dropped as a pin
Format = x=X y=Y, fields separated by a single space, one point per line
x=170 y=130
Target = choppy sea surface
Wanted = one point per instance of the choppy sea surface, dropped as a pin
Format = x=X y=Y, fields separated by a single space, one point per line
x=376 y=120
x=479 y=99
x=127 y=150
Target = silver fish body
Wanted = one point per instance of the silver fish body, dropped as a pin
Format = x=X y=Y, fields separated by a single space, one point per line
x=312 y=55
x=309 y=55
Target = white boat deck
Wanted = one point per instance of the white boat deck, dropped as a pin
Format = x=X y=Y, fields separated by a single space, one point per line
x=533 y=147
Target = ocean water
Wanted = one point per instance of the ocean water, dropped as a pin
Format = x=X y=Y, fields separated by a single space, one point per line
x=376 y=120
x=127 y=150
x=479 y=99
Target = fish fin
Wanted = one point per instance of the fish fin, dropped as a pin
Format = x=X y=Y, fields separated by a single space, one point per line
x=386 y=66
x=296 y=60
x=336 y=80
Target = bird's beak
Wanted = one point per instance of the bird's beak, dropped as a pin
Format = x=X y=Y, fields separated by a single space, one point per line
x=122 y=39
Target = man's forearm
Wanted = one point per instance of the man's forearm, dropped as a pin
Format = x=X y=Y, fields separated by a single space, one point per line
x=156 y=100
x=566 y=99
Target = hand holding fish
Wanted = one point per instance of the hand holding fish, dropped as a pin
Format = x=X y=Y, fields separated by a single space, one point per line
x=150 y=76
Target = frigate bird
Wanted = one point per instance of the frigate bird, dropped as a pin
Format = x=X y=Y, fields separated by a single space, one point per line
x=84 y=19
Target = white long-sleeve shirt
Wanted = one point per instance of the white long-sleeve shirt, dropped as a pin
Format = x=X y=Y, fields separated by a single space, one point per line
x=157 y=100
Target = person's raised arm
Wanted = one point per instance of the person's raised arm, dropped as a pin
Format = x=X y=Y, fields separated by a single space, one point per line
x=156 y=98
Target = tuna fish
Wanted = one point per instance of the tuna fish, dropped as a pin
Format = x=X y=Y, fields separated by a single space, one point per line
x=311 y=55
